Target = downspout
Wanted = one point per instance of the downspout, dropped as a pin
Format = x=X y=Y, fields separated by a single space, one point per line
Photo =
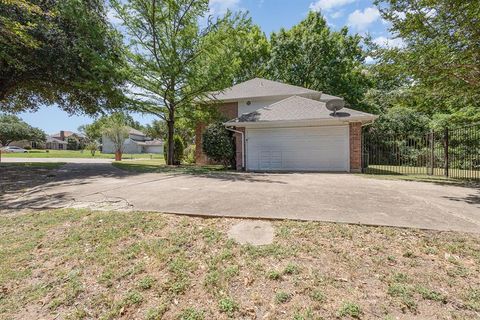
x=243 y=144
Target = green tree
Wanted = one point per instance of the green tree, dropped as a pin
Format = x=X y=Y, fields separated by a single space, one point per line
x=156 y=130
x=440 y=59
x=61 y=52
x=115 y=128
x=178 y=150
x=12 y=128
x=401 y=121
x=245 y=46
x=218 y=144
x=93 y=131
x=169 y=44
x=92 y=146
x=72 y=143
x=313 y=56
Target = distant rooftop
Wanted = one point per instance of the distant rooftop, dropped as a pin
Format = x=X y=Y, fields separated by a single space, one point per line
x=67 y=134
x=136 y=132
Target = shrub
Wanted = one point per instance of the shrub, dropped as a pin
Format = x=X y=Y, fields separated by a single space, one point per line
x=228 y=306
x=282 y=297
x=177 y=151
x=350 y=309
x=191 y=314
x=273 y=275
x=92 y=146
x=189 y=154
x=218 y=144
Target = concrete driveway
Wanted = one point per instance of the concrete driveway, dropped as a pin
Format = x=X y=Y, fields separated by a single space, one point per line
x=309 y=196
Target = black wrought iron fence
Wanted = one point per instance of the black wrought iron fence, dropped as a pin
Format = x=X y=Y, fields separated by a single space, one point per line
x=451 y=152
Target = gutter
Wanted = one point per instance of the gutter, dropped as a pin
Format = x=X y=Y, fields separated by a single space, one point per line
x=369 y=122
x=243 y=143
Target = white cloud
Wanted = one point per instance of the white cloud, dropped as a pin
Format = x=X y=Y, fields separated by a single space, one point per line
x=218 y=7
x=328 y=4
x=369 y=60
x=362 y=19
x=389 y=43
x=337 y=14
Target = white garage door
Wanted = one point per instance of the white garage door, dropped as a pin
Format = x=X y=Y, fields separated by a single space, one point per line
x=301 y=148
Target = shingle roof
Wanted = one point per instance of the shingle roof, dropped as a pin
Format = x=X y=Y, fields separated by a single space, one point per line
x=155 y=142
x=52 y=139
x=258 y=87
x=135 y=132
x=299 y=108
x=68 y=134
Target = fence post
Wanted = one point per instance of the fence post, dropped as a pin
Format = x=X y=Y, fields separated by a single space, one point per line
x=445 y=138
x=432 y=152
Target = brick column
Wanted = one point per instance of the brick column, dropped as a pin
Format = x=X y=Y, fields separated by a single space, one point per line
x=200 y=157
x=355 y=146
x=238 y=149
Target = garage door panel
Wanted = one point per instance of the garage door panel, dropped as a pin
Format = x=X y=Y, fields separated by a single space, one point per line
x=312 y=148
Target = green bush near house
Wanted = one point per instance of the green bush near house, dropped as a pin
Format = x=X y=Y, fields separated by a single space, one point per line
x=218 y=144
x=179 y=147
x=189 y=154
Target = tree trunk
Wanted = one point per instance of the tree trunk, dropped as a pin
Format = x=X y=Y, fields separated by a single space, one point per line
x=171 y=132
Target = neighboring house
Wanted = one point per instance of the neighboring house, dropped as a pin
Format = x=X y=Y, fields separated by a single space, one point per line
x=55 y=144
x=65 y=135
x=137 y=142
x=283 y=127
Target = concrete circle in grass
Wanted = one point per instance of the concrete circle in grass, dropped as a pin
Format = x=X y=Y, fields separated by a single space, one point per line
x=255 y=232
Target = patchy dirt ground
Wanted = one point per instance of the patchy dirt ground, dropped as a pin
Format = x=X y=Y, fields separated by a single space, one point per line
x=19 y=176
x=80 y=264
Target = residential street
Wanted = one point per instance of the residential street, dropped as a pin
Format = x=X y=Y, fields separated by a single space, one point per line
x=305 y=196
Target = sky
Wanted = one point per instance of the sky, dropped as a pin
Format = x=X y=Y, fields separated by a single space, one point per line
x=361 y=16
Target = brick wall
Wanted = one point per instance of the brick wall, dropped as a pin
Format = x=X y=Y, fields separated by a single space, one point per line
x=229 y=111
x=355 y=147
x=238 y=149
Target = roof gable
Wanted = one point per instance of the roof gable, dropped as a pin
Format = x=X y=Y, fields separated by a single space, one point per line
x=260 y=88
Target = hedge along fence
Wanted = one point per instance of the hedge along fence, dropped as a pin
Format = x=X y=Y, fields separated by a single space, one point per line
x=452 y=152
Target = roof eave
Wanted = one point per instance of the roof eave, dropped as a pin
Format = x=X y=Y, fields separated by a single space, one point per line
x=301 y=122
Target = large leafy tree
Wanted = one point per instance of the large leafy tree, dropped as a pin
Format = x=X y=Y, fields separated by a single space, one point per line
x=12 y=128
x=169 y=43
x=94 y=130
x=245 y=46
x=313 y=56
x=440 y=59
x=61 y=52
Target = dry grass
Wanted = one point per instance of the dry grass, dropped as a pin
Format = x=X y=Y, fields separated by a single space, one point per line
x=72 y=264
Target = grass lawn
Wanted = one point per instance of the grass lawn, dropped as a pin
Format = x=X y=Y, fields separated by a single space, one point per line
x=414 y=174
x=70 y=264
x=77 y=154
x=422 y=171
x=159 y=166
